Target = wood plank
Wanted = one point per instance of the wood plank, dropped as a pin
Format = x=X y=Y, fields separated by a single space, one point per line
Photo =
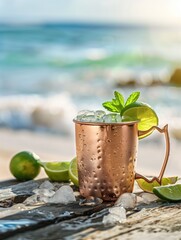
x=35 y=217
x=159 y=222
x=43 y=216
x=8 y=182
x=20 y=189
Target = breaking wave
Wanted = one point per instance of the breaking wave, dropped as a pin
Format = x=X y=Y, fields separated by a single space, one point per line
x=52 y=113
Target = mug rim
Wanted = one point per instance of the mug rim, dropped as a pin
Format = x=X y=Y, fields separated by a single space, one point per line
x=105 y=123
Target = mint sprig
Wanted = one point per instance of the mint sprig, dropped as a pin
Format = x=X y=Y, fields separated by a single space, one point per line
x=118 y=104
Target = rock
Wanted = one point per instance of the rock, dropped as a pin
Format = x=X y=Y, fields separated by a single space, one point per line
x=126 y=83
x=175 y=78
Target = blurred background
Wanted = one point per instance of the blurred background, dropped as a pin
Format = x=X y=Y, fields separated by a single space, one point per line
x=58 y=57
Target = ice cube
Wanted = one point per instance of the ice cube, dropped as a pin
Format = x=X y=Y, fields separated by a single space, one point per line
x=90 y=201
x=116 y=214
x=84 y=114
x=89 y=118
x=126 y=200
x=118 y=118
x=63 y=195
x=32 y=200
x=99 y=115
x=110 y=118
x=44 y=192
x=110 y=219
x=148 y=197
x=47 y=185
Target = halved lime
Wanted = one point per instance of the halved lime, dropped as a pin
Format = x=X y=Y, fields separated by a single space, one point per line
x=56 y=171
x=142 y=112
x=148 y=187
x=169 y=192
x=73 y=173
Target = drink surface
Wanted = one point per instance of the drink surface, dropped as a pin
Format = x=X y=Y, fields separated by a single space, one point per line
x=98 y=116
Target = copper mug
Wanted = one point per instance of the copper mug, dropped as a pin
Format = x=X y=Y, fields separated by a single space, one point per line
x=106 y=156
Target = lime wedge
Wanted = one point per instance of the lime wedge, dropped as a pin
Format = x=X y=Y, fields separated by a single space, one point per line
x=143 y=113
x=148 y=187
x=169 y=192
x=73 y=173
x=56 y=171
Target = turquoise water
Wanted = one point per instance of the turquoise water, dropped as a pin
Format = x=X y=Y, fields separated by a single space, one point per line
x=49 y=72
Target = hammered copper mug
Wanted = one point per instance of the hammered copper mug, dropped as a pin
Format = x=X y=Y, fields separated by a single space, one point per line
x=106 y=156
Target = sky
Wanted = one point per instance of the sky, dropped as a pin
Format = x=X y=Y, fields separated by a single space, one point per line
x=157 y=12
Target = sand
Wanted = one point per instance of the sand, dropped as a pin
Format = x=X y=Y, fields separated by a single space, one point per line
x=57 y=148
x=47 y=146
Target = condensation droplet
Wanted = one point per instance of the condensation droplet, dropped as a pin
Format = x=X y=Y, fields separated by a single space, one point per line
x=104 y=182
x=109 y=189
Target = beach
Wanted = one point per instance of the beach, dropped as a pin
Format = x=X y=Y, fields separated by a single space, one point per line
x=48 y=147
x=51 y=147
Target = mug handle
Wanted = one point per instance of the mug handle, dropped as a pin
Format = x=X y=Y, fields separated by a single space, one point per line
x=167 y=152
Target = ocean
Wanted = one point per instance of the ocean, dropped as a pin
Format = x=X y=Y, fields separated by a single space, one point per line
x=49 y=72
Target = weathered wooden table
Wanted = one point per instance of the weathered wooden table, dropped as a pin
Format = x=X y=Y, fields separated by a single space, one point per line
x=157 y=220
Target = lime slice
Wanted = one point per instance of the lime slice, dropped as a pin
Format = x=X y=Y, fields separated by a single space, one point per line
x=56 y=171
x=148 y=187
x=73 y=173
x=143 y=113
x=169 y=192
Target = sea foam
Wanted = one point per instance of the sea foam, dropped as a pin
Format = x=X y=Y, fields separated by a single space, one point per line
x=52 y=113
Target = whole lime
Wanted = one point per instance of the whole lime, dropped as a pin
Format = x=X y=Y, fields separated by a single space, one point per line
x=24 y=166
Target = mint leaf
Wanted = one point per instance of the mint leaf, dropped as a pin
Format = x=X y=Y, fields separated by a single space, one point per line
x=116 y=103
x=132 y=98
x=119 y=98
x=110 y=106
